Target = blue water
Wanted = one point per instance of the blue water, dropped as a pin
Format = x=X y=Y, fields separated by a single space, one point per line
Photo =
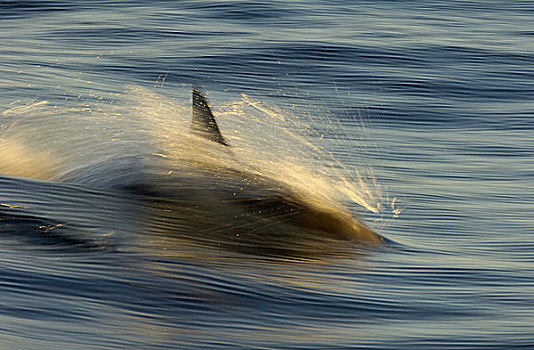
x=431 y=101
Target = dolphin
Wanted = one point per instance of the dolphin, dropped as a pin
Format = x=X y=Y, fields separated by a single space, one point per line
x=258 y=193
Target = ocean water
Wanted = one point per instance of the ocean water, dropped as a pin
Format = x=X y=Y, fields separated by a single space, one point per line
x=417 y=116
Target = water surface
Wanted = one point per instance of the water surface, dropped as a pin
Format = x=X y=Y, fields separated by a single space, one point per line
x=427 y=106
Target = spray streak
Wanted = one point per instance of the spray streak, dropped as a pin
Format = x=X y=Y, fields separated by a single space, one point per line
x=366 y=194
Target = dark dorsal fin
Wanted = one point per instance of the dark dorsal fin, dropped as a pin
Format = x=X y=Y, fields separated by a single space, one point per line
x=203 y=122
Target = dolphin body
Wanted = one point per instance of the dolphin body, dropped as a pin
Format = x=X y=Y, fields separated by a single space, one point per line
x=274 y=199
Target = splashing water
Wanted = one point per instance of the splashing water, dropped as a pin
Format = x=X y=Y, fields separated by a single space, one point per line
x=142 y=142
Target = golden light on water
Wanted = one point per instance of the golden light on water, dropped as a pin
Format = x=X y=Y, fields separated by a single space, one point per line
x=144 y=137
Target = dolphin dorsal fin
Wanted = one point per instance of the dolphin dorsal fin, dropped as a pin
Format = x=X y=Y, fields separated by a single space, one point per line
x=203 y=122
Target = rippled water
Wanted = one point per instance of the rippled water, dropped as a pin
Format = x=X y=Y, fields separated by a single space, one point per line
x=416 y=116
